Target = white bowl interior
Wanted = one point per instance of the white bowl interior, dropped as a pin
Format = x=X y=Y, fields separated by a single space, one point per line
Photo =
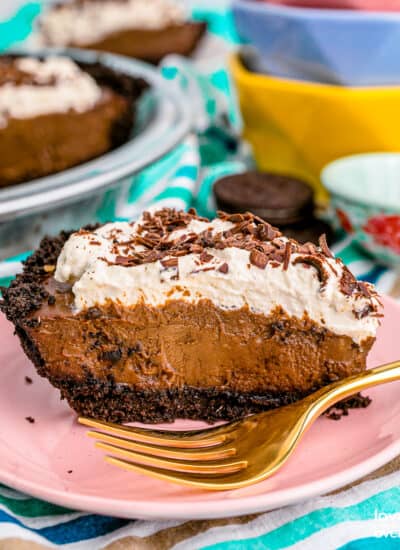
x=372 y=179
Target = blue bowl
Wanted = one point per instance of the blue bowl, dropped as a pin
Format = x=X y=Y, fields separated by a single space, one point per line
x=350 y=48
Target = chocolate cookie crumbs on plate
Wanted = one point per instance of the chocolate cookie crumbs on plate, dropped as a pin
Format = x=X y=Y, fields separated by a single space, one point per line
x=358 y=401
x=28 y=380
x=30 y=419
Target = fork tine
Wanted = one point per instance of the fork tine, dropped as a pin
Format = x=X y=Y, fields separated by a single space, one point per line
x=211 y=437
x=213 y=483
x=216 y=468
x=219 y=453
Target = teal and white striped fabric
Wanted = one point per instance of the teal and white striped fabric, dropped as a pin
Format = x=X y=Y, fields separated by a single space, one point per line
x=363 y=517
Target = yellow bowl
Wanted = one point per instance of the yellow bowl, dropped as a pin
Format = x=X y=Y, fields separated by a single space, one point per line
x=298 y=127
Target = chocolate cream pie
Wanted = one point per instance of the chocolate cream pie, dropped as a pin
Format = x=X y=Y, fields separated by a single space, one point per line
x=178 y=316
x=55 y=114
x=146 y=29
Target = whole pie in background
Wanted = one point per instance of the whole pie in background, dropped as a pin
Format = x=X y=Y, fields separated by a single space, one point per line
x=145 y=29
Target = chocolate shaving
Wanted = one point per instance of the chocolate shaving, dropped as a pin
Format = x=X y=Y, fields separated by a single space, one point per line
x=156 y=228
x=317 y=264
x=307 y=248
x=369 y=308
x=332 y=269
x=205 y=257
x=324 y=246
x=145 y=241
x=179 y=253
x=259 y=259
x=169 y=262
x=124 y=261
x=287 y=254
x=224 y=268
x=196 y=249
x=364 y=289
x=234 y=218
x=266 y=232
x=242 y=227
x=348 y=283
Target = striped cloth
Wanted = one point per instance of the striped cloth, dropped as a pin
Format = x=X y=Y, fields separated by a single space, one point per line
x=362 y=517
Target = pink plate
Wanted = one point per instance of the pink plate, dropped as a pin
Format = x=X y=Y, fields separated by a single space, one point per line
x=53 y=459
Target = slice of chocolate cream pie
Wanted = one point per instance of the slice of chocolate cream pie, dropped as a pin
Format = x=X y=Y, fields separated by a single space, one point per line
x=177 y=316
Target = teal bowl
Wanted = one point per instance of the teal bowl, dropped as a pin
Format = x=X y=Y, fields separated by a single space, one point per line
x=365 y=193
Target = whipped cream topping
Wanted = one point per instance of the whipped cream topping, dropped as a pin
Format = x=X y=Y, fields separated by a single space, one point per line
x=97 y=265
x=58 y=85
x=82 y=23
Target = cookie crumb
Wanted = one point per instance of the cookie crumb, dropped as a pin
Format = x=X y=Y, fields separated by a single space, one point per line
x=358 y=401
x=69 y=471
x=30 y=419
x=28 y=380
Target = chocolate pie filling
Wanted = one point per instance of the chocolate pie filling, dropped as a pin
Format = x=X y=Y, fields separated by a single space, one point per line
x=185 y=347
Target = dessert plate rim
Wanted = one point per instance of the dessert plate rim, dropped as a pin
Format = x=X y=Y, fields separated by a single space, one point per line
x=209 y=505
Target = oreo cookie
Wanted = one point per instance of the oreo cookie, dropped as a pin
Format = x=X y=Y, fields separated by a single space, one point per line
x=281 y=200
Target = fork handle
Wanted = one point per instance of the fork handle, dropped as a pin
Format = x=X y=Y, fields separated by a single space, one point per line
x=329 y=395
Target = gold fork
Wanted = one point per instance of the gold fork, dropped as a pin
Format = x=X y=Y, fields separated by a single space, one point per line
x=233 y=455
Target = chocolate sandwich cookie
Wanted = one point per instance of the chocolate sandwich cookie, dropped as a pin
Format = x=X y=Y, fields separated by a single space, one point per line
x=281 y=200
